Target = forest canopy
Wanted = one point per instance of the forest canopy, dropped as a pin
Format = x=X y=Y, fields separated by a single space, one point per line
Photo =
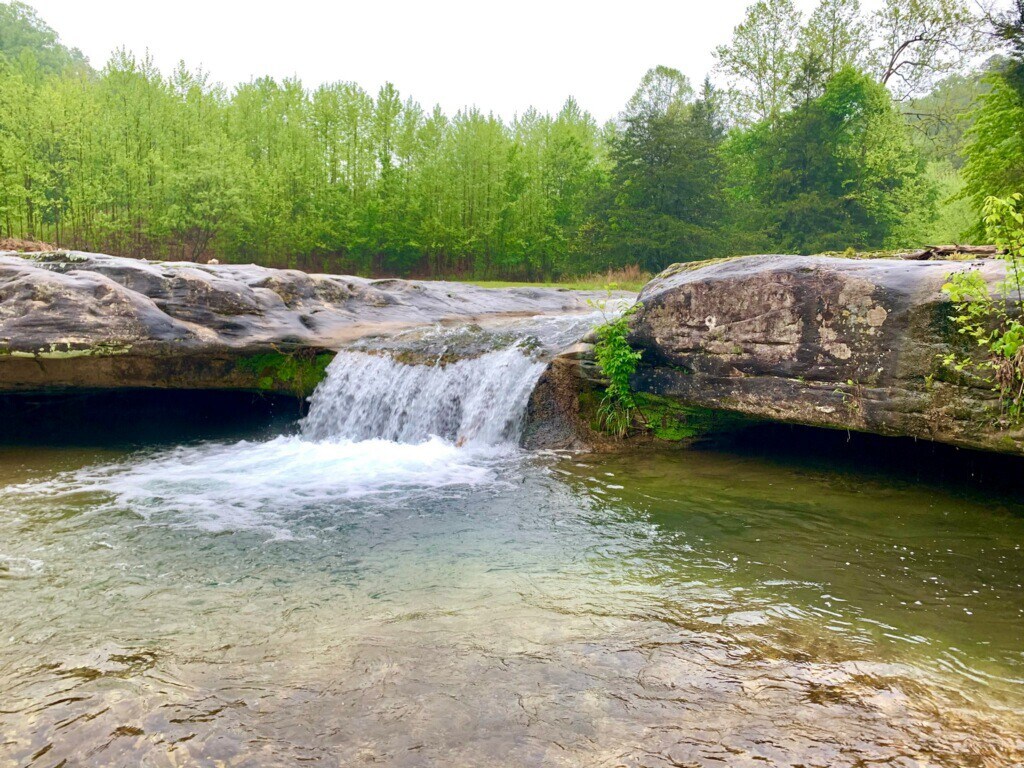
x=839 y=130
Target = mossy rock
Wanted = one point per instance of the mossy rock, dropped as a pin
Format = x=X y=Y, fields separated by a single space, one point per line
x=297 y=373
x=673 y=421
x=666 y=419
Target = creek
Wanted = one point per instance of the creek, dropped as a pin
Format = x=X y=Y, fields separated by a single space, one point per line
x=393 y=580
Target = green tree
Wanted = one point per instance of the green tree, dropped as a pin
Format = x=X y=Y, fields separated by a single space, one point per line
x=760 y=63
x=839 y=171
x=25 y=38
x=202 y=166
x=1009 y=27
x=836 y=36
x=995 y=143
x=666 y=199
x=919 y=42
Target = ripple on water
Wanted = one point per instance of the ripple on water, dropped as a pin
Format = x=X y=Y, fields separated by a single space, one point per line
x=19 y=567
x=469 y=607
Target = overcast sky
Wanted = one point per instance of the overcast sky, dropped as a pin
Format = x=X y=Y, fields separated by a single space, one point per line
x=499 y=56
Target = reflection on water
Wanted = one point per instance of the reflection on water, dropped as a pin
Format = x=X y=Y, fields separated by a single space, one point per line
x=276 y=601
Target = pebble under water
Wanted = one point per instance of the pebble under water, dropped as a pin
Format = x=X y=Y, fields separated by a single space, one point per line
x=435 y=596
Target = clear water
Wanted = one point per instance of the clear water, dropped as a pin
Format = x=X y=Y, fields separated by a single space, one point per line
x=478 y=398
x=337 y=601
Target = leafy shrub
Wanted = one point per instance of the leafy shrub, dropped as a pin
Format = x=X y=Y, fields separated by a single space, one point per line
x=617 y=361
x=993 y=320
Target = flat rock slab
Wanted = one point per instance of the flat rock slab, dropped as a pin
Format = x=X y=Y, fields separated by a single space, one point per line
x=74 y=320
x=843 y=343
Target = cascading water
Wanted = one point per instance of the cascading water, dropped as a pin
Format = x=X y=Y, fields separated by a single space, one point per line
x=480 y=400
x=377 y=428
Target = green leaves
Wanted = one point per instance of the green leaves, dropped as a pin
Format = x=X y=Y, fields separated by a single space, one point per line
x=920 y=41
x=839 y=171
x=760 y=63
x=618 y=362
x=991 y=321
x=666 y=197
x=995 y=143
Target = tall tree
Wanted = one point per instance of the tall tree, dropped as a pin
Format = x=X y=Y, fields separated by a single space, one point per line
x=840 y=170
x=1009 y=27
x=667 y=182
x=995 y=143
x=918 y=42
x=834 y=37
x=760 y=62
x=23 y=35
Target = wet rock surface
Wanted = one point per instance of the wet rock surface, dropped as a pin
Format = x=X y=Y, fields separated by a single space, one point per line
x=82 y=320
x=833 y=342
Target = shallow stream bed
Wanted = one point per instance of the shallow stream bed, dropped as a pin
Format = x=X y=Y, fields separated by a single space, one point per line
x=277 y=599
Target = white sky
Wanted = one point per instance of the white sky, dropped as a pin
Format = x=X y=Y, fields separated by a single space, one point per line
x=499 y=56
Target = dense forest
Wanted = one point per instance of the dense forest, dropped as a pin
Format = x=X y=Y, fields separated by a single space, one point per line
x=839 y=130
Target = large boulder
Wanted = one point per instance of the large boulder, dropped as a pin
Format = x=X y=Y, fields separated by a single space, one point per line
x=83 y=320
x=833 y=342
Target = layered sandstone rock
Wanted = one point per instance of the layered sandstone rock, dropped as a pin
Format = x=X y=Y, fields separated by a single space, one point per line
x=82 y=320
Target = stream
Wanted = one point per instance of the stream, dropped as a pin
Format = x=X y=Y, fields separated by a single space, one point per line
x=393 y=581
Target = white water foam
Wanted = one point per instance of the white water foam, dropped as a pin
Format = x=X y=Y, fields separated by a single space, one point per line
x=479 y=401
x=376 y=427
x=262 y=485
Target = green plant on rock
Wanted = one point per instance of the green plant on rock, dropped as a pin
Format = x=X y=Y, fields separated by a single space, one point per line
x=617 y=361
x=297 y=372
x=851 y=397
x=992 y=319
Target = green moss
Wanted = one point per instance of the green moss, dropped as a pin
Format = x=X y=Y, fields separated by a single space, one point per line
x=667 y=419
x=673 y=421
x=53 y=256
x=298 y=373
x=61 y=351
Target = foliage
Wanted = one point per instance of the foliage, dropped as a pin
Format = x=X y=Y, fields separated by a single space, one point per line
x=1010 y=28
x=28 y=40
x=993 y=322
x=839 y=171
x=759 y=63
x=298 y=373
x=956 y=217
x=130 y=161
x=666 y=193
x=942 y=117
x=995 y=143
x=835 y=37
x=776 y=61
x=921 y=41
x=618 y=362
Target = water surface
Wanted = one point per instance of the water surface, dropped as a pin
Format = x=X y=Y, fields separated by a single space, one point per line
x=450 y=600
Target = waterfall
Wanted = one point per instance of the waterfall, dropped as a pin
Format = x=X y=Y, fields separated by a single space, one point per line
x=477 y=400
